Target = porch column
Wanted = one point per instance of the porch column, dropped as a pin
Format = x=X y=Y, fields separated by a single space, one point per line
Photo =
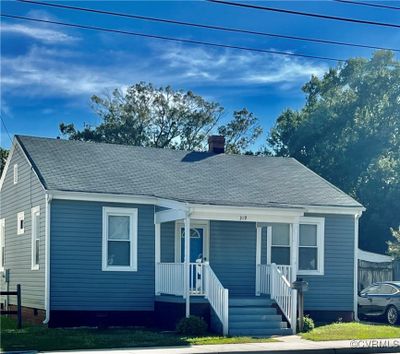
x=187 y=265
x=295 y=248
x=157 y=255
x=258 y=259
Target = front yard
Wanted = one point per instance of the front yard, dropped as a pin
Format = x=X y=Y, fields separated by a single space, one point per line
x=352 y=330
x=35 y=337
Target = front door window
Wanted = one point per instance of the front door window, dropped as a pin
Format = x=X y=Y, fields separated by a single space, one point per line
x=196 y=244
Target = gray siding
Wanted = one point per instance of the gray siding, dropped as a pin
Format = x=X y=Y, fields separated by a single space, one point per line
x=23 y=196
x=335 y=289
x=77 y=281
x=233 y=255
x=168 y=242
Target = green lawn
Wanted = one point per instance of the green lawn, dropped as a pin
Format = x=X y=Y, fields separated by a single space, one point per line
x=352 y=330
x=43 y=338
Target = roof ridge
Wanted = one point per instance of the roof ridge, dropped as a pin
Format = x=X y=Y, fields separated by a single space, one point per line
x=147 y=147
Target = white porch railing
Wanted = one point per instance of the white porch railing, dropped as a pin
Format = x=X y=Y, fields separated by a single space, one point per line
x=284 y=295
x=264 y=286
x=286 y=271
x=170 y=279
x=217 y=296
x=202 y=281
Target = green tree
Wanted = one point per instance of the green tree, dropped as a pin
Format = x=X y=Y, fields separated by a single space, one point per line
x=164 y=118
x=394 y=246
x=349 y=132
x=3 y=159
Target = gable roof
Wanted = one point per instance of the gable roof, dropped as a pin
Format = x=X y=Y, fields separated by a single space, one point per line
x=194 y=177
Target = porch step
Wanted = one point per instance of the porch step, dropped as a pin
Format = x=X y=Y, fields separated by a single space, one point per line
x=258 y=332
x=254 y=301
x=260 y=324
x=252 y=310
x=255 y=316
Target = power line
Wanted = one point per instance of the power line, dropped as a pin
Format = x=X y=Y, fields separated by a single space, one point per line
x=212 y=27
x=5 y=127
x=174 y=39
x=368 y=4
x=293 y=12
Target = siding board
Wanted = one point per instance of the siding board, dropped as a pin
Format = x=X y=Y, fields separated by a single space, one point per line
x=14 y=198
x=77 y=281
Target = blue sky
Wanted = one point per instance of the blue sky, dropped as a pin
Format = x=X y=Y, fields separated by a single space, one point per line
x=48 y=72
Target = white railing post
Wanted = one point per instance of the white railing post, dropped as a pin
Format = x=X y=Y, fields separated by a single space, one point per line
x=157 y=257
x=258 y=259
x=225 y=326
x=187 y=265
x=272 y=280
x=294 y=311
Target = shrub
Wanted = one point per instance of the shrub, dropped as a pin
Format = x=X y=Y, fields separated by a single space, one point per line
x=192 y=326
x=308 y=324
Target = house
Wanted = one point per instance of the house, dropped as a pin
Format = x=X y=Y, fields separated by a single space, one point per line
x=100 y=234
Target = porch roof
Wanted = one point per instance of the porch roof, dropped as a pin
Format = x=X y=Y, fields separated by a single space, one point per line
x=193 y=177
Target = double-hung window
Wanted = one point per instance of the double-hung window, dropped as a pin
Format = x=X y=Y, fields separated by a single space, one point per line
x=120 y=239
x=311 y=246
x=2 y=244
x=280 y=244
x=35 y=219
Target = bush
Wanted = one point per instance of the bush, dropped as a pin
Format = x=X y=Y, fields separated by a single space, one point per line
x=192 y=326
x=308 y=324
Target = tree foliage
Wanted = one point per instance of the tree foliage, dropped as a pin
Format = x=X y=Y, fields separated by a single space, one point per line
x=3 y=159
x=164 y=118
x=349 y=132
x=394 y=246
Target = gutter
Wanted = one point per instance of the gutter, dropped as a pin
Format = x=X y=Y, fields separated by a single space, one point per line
x=47 y=260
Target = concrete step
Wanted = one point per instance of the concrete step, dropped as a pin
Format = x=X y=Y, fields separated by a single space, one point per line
x=254 y=318
x=252 y=310
x=257 y=324
x=253 y=301
x=258 y=332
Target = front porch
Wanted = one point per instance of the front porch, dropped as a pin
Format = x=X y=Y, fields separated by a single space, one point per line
x=226 y=260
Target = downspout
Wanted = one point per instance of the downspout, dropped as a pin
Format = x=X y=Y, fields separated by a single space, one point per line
x=356 y=235
x=47 y=260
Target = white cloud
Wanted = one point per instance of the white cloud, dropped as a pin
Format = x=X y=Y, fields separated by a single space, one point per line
x=42 y=34
x=45 y=71
x=49 y=72
x=235 y=67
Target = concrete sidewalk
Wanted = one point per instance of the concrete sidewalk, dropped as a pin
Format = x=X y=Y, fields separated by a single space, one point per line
x=289 y=344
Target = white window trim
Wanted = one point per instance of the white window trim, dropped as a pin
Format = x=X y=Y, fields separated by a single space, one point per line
x=20 y=216
x=133 y=223
x=2 y=242
x=15 y=171
x=320 y=223
x=34 y=212
x=194 y=224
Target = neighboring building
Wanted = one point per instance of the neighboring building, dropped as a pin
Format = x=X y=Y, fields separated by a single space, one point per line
x=102 y=234
x=373 y=268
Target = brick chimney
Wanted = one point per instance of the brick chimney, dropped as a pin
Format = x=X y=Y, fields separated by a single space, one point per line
x=216 y=144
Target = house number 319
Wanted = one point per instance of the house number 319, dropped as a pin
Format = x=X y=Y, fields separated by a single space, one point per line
x=243 y=217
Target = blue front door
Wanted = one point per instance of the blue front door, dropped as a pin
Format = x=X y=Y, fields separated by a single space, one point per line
x=196 y=243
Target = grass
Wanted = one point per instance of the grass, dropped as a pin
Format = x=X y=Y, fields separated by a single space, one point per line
x=37 y=337
x=352 y=330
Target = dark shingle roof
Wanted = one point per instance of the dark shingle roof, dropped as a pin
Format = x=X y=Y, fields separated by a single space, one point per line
x=198 y=177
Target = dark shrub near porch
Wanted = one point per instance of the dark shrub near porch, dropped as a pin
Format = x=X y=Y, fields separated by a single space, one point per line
x=193 y=326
